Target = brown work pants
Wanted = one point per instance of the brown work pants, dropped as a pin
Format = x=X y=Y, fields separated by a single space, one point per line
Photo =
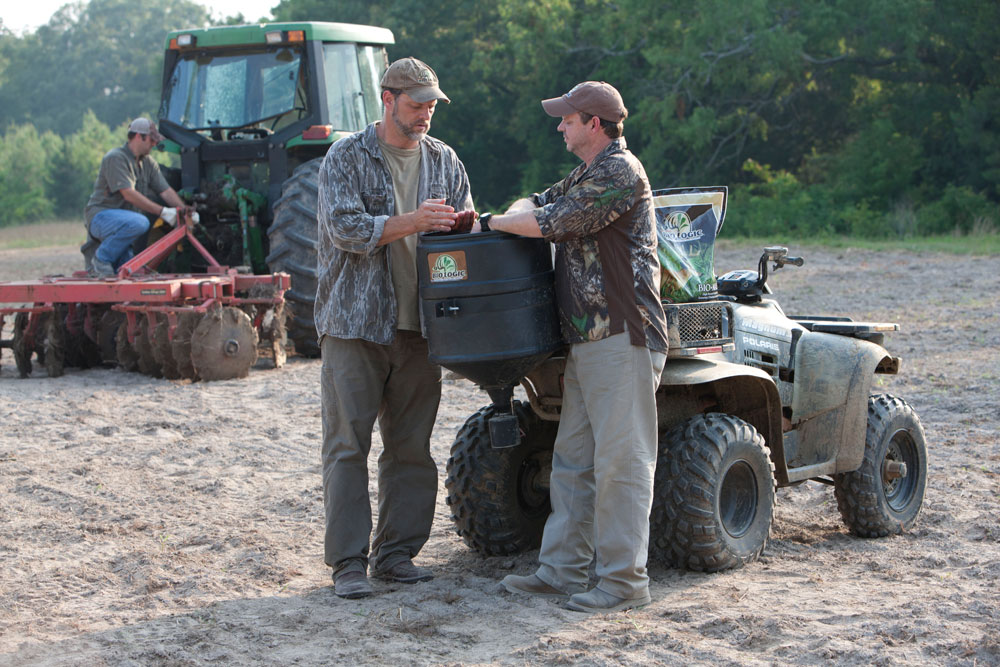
x=395 y=384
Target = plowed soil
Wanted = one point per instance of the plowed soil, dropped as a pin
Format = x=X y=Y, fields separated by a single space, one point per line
x=155 y=522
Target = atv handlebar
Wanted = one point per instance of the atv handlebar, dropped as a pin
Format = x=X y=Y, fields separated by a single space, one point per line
x=778 y=255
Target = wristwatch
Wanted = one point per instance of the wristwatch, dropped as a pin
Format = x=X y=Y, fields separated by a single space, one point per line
x=484 y=222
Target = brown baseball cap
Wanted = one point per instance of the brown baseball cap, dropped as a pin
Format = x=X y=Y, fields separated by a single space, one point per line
x=145 y=126
x=415 y=79
x=594 y=97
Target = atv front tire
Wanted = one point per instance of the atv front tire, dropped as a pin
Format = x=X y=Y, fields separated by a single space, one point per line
x=292 y=236
x=876 y=500
x=713 y=499
x=499 y=498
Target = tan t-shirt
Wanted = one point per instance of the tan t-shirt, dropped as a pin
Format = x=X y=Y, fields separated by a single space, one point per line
x=404 y=166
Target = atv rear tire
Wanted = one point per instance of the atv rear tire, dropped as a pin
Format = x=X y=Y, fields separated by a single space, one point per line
x=292 y=237
x=713 y=499
x=872 y=500
x=499 y=498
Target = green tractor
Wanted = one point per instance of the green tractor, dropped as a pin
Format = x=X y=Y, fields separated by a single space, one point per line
x=251 y=110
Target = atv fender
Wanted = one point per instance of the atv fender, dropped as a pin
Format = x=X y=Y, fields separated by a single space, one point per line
x=734 y=389
x=833 y=377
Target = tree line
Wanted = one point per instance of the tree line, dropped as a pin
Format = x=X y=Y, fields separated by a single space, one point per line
x=839 y=117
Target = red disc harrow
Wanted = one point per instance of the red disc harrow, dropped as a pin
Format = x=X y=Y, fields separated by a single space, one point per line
x=199 y=326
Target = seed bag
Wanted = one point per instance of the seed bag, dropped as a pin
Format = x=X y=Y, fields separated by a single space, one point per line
x=687 y=222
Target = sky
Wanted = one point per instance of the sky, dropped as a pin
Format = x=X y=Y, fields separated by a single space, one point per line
x=26 y=15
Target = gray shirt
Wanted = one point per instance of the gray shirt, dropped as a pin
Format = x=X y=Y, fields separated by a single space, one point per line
x=404 y=165
x=354 y=295
x=121 y=169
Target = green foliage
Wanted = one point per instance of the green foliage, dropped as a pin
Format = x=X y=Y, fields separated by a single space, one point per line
x=841 y=117
x=76 y=169
x=958 y=210
x=42 y=175
x=25 y=181
x=101 y=55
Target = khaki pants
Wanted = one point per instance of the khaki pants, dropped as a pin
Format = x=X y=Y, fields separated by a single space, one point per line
x=398 y=386
x=602 y=468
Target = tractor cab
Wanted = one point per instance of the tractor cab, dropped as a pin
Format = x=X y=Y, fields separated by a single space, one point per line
x=250 y=111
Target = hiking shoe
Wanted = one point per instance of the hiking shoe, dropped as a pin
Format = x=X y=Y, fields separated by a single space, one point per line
x=102 y=269
x=405 y=572
x=352 y=585
x=532 y=585
x=596 y=600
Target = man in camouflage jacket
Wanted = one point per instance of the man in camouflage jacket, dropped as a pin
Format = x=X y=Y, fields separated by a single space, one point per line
x=378 y=189
x=607 y=289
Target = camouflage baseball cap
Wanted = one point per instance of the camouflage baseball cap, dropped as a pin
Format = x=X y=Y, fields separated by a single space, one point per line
x=415 y=79
x=594 y=97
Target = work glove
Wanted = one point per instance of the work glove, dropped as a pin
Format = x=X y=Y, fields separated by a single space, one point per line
x=169 y=216
x=195 y=218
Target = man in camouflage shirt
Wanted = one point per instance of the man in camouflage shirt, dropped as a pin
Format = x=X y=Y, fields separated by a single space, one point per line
x=607 y=288
x=378 y=189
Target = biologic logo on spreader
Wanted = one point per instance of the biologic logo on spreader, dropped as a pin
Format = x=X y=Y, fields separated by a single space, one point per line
x=447 y=266
x=679 y=225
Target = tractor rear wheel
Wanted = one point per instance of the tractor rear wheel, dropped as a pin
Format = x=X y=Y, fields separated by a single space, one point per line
x=713 y=499
x=499 y=498
x=884 y=495
x=292 y=236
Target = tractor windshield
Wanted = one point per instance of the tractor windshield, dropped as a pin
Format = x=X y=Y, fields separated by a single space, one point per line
x=208 y=91
x=352 y=84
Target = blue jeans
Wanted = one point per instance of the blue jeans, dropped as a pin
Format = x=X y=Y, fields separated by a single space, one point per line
x=117 y=229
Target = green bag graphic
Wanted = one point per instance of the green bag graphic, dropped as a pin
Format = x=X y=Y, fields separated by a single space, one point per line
x=687 y=223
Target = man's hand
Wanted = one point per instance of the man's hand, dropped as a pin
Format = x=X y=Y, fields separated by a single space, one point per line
x=169 y=216
x=433 y=215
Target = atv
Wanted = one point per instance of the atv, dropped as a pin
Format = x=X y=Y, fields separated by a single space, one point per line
x=750 y=400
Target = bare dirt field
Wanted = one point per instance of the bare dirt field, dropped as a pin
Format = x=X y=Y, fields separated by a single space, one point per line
x=150 y=522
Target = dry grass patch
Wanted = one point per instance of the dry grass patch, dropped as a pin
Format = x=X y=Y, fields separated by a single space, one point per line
x=43 y=234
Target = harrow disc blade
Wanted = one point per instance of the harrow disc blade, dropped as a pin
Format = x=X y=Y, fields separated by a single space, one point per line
x=19 y=345
x=144 y=348
x=162 y=350
x=54 y=344
x=180 y=346
x=107 y=332
x=274 y=327
x=81 y=351
x=224 y=345
x=125 y=351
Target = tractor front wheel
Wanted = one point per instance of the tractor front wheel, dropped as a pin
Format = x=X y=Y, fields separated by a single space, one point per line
x=884 y=495
x=499 y=498
x=713 y=499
